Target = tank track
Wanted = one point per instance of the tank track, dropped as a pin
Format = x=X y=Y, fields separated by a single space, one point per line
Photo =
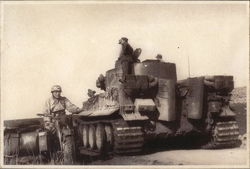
x=225 y=134
x=127 y=139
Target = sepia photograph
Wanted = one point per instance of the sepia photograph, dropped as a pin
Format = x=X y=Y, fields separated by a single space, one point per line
x=124 y=84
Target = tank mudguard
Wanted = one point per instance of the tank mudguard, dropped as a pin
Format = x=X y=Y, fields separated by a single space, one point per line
x=23 y=123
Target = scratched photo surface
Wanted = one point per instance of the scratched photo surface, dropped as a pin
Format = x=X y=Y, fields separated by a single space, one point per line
x=71 y=44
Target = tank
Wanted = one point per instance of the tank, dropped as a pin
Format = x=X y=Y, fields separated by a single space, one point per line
x=151 y=104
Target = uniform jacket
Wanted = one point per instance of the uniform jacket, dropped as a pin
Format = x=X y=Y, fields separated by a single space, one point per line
x=126 y=52
x=59 y=105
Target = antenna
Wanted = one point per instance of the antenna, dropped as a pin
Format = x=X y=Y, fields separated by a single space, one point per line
x=188 y=67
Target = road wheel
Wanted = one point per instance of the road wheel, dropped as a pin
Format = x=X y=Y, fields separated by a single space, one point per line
x=109 y=137
x=100 y=137
x=85 y=136
x=92 y=137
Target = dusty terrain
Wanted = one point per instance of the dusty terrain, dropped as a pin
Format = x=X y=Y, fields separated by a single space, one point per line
x=236 y=156
x=167 y=156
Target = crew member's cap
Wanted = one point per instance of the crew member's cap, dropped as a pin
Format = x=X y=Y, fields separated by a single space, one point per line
x=123 y=38
x=159 y=56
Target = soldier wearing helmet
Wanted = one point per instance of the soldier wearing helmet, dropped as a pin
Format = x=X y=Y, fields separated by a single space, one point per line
x=58 y=104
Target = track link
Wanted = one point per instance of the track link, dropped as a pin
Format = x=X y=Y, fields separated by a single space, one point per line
x=224 y=135
x=127 y=139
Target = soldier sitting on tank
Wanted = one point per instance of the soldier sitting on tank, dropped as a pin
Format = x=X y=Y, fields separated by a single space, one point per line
x=92 y=99
x=100 y=82
x=91 y=93
x=136 y=55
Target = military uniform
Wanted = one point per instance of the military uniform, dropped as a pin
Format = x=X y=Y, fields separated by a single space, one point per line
x=126 y=51
x=126 y=56
x=58 y=106
x=53 y=105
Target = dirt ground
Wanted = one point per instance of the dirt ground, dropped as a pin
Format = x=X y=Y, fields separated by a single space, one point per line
x=236 y=156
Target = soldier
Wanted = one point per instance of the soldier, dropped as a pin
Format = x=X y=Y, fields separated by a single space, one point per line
x=159 y=57
x=127 y=50
x=100 y=82
x=91 y=93
x=58 y=104
x=126 y=57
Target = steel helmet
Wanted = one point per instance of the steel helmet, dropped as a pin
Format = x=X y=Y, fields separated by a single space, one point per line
x=56 y=88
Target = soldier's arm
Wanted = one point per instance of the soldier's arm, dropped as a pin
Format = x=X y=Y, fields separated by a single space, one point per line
x=71 y=107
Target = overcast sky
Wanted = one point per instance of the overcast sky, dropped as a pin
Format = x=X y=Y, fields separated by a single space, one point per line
x=71 y=44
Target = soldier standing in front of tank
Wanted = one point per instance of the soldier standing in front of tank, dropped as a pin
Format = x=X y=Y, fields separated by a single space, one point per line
x=58 y=104
x=126 y=57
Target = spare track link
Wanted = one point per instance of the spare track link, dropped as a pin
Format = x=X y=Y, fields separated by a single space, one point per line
x=224 y=135
x=127 y=139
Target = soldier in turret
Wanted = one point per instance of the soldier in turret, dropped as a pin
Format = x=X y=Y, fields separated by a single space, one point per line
x=127 y=50
x=126 y=57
